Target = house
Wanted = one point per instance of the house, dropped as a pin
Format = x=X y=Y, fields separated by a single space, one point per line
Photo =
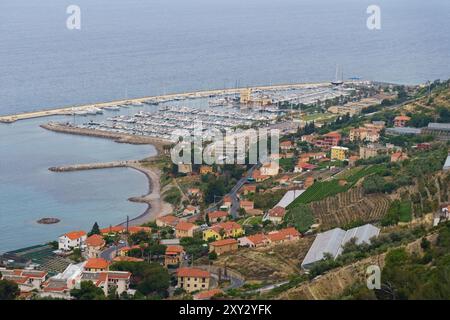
x=227 y=201
x=207 y=295
x=304 y=167
x=259 y=177
x=185 y=230
x=222 y=230
x=217 y=216
x=190 y=210
x=270 y=169
x=400 y=121
x=223 y=246
x=194 y=192
x=364 y=134
x=27 y=280
x=111 y=231
x=274 y=237
x=110 y=280
x=136 y=229
x=254 y=241
x=283 y=235
x=185 y=168
x=398 y=156
x=72 y=240
x=308 y=138
x=352 y=160
x=275 y=215
x=123 y=251
x=247 y=205
x=339 y=153
x=174 y=256
x=167 y=221
x=94 y=246
x=248 y=189
x=286 y=145
x=96 y=265
x=206 y=169
x=371 y=150
x=193 y=279
x=332 y=138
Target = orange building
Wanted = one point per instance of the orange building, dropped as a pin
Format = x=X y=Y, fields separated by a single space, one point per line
x=223 y=246
x=174 y=255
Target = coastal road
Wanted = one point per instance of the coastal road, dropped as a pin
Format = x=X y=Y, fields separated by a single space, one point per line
x=233 y=193
x=109 y=253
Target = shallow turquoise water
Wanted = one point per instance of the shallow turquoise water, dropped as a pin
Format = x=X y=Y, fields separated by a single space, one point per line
x=28 y=191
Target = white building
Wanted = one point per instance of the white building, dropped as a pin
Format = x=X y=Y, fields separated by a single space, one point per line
x=27 y=280
x=71 y=240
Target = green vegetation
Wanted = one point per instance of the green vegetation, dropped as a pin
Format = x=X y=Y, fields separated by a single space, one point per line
x=9 y=290
x=173 y=196
x=95 y=230
x=150 y=279
x=399 y=211
x=267 y=200
x=301 y=217
x=88 y=291
x=288 y=164
x=322 y=190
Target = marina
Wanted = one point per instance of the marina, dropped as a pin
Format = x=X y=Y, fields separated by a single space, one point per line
x=161 y=117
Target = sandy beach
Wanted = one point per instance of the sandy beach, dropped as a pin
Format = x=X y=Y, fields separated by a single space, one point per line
x=156 y=205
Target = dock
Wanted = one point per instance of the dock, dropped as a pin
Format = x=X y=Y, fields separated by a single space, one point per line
x=68 y=110
x=94 y=166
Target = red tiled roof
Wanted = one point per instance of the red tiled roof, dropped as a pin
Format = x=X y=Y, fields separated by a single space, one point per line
x=402 y=118
x=111 y=229
x=168 y=219
x=277 y=212
x=174 y=249
x=223 y=242
x=139 y=229
x=204 y=295
x=257 y=238
x=95 y=241
x=217 y=214
x=75 y=235
x=193 y=272
x=185 y=226
x=96 y=263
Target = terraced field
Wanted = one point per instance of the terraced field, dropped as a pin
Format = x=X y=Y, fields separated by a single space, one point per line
x=348 y=207
x=322 y=190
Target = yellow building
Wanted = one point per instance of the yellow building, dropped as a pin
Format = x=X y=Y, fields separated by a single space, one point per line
x=193 y=279
x=223 y=230
x=339 y=153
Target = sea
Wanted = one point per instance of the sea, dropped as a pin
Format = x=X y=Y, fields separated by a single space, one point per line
x=135 y=48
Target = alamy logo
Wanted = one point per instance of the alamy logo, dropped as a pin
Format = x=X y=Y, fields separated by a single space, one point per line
x=73 y=22
x=374 y=20
x=374 y=277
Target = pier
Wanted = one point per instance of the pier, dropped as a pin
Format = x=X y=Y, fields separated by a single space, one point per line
x=68 y=110
x=94 y=166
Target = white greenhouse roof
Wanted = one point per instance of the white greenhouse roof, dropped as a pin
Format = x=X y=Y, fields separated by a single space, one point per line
x=332 y=241
x=289 y=197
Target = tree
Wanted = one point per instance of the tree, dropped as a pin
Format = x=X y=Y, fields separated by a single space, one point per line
x=148 y=278
x=95 y=229
x=88 y=291
x=9 y=290
x=301 y=217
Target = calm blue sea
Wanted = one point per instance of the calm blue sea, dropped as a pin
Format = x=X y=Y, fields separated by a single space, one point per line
x=146 y=47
